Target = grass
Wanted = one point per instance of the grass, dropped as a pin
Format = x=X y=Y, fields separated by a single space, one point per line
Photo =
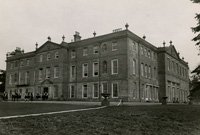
x=16 y=108
x=126 y=120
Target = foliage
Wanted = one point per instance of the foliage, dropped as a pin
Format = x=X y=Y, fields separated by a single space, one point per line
x=196 y=29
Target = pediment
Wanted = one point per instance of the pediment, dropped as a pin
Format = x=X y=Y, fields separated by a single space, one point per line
x=46 y=81
x=48 y=46
x=172 y=50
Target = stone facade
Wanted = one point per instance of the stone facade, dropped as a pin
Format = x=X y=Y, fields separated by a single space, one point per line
x=119 y=63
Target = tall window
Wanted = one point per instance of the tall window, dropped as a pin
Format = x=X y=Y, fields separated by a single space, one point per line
x=85 y=51
x=114 y=90
x=22 y=63
x=95 y=50
x=155 y=74
x=48 y=72
x=56 y=72
x=142 y=69
x=150 y=74
x=149 y=53
x=73 y=72
x=73 y=54
x=105 y=87
x=40 y=74
x=72 y=91
x=41 y=58
x=85 y=70
x=168 y=64
x=141 y=50
x=95 y=90
x=145 y=70
x=134 y=67
x=48 y=56
x=133 y=46
x=10 y=79
x=104 y=47
x=95 y=68
x=85 y=91
x=104 y=66
x=56 y=55
x=114 y=46
x=15 y=77
x=114 y=66
x=145 y=52
x=27 y=80
x=27 y=62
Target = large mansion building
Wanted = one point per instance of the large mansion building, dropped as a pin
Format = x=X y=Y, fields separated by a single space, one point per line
x=119 y=63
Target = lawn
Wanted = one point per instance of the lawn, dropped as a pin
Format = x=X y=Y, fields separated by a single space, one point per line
x=18 y=108
x=126 y=120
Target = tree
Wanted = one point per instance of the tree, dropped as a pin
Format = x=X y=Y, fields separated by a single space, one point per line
x=196 y=29
x=2 y=80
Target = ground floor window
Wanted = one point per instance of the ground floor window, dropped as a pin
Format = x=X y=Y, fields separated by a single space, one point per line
x=114 y=90
x=105 y=87
x=84 y=91
x=72 y=91
x=95 y=90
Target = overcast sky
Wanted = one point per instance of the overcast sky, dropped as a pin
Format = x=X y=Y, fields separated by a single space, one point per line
x=25 y=22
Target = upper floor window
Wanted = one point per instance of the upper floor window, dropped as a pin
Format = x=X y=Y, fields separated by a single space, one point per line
x=27 y=62
x=168 y=64
x=73 y=72
x=142 y=50
x=27 y=80
x=145 y=71
x=142 y=69
x=104 y=66
x=48 y=56
x=72 y=91
x=145 y=52
x=95 y=68
x=95 y=50
x=114 y=90
x=16 y=63
x=114 y=46
x=149 y=53
x=133 y=46
x=41 y=58
x=134 y=67
x=85 y=70
x=155 y=74
x=56 y=55
x=40 y=74
x=73 y=54
x=114 y=66
x=11 y=65
x=104 y=47
x=48 y=72
x=85 y=51
x=56 y=72
x=22 y=63
x=150 y=74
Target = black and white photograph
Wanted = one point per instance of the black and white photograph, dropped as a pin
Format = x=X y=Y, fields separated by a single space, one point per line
x=99 y=67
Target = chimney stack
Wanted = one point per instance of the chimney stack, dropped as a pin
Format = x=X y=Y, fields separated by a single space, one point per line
x=36 y=46
x=77 y=36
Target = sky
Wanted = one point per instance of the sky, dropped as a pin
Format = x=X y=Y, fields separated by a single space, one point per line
x=25 y=22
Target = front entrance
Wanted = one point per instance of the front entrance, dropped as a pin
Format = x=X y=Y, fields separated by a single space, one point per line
x=46 y=90
x=45 y=94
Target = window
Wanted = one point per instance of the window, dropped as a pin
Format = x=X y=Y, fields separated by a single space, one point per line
x=95 y=68
x=48 y=56
x=27 y=62
x=142 y=51
x=105 y=87
x=114 y=66
x=15 y=77
x=72 y=91
x=41 y=58
x=20 y=78
x=149 y=53
x=48 y=72
x=95 y=90
x=95 y=50
x=27 y=77
x=85 y=91
x=104 y=47
x=114 y=46
x=114 y=90
x=73 y=72
x=177 y=68
x=168 y=64
x=10 y=79
x=85 y=70
x=134 y=67
x=145 y=52
x=104 y=66
x=73 y=54
x=145 y=71
x=142 y=69
x=150 y=75
x=16 y=63
x=56 y=55
x=22 y=63
x=40 y=74
x=85 y=51
x=133 y=46
x=56 y=72
x=155 y=74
